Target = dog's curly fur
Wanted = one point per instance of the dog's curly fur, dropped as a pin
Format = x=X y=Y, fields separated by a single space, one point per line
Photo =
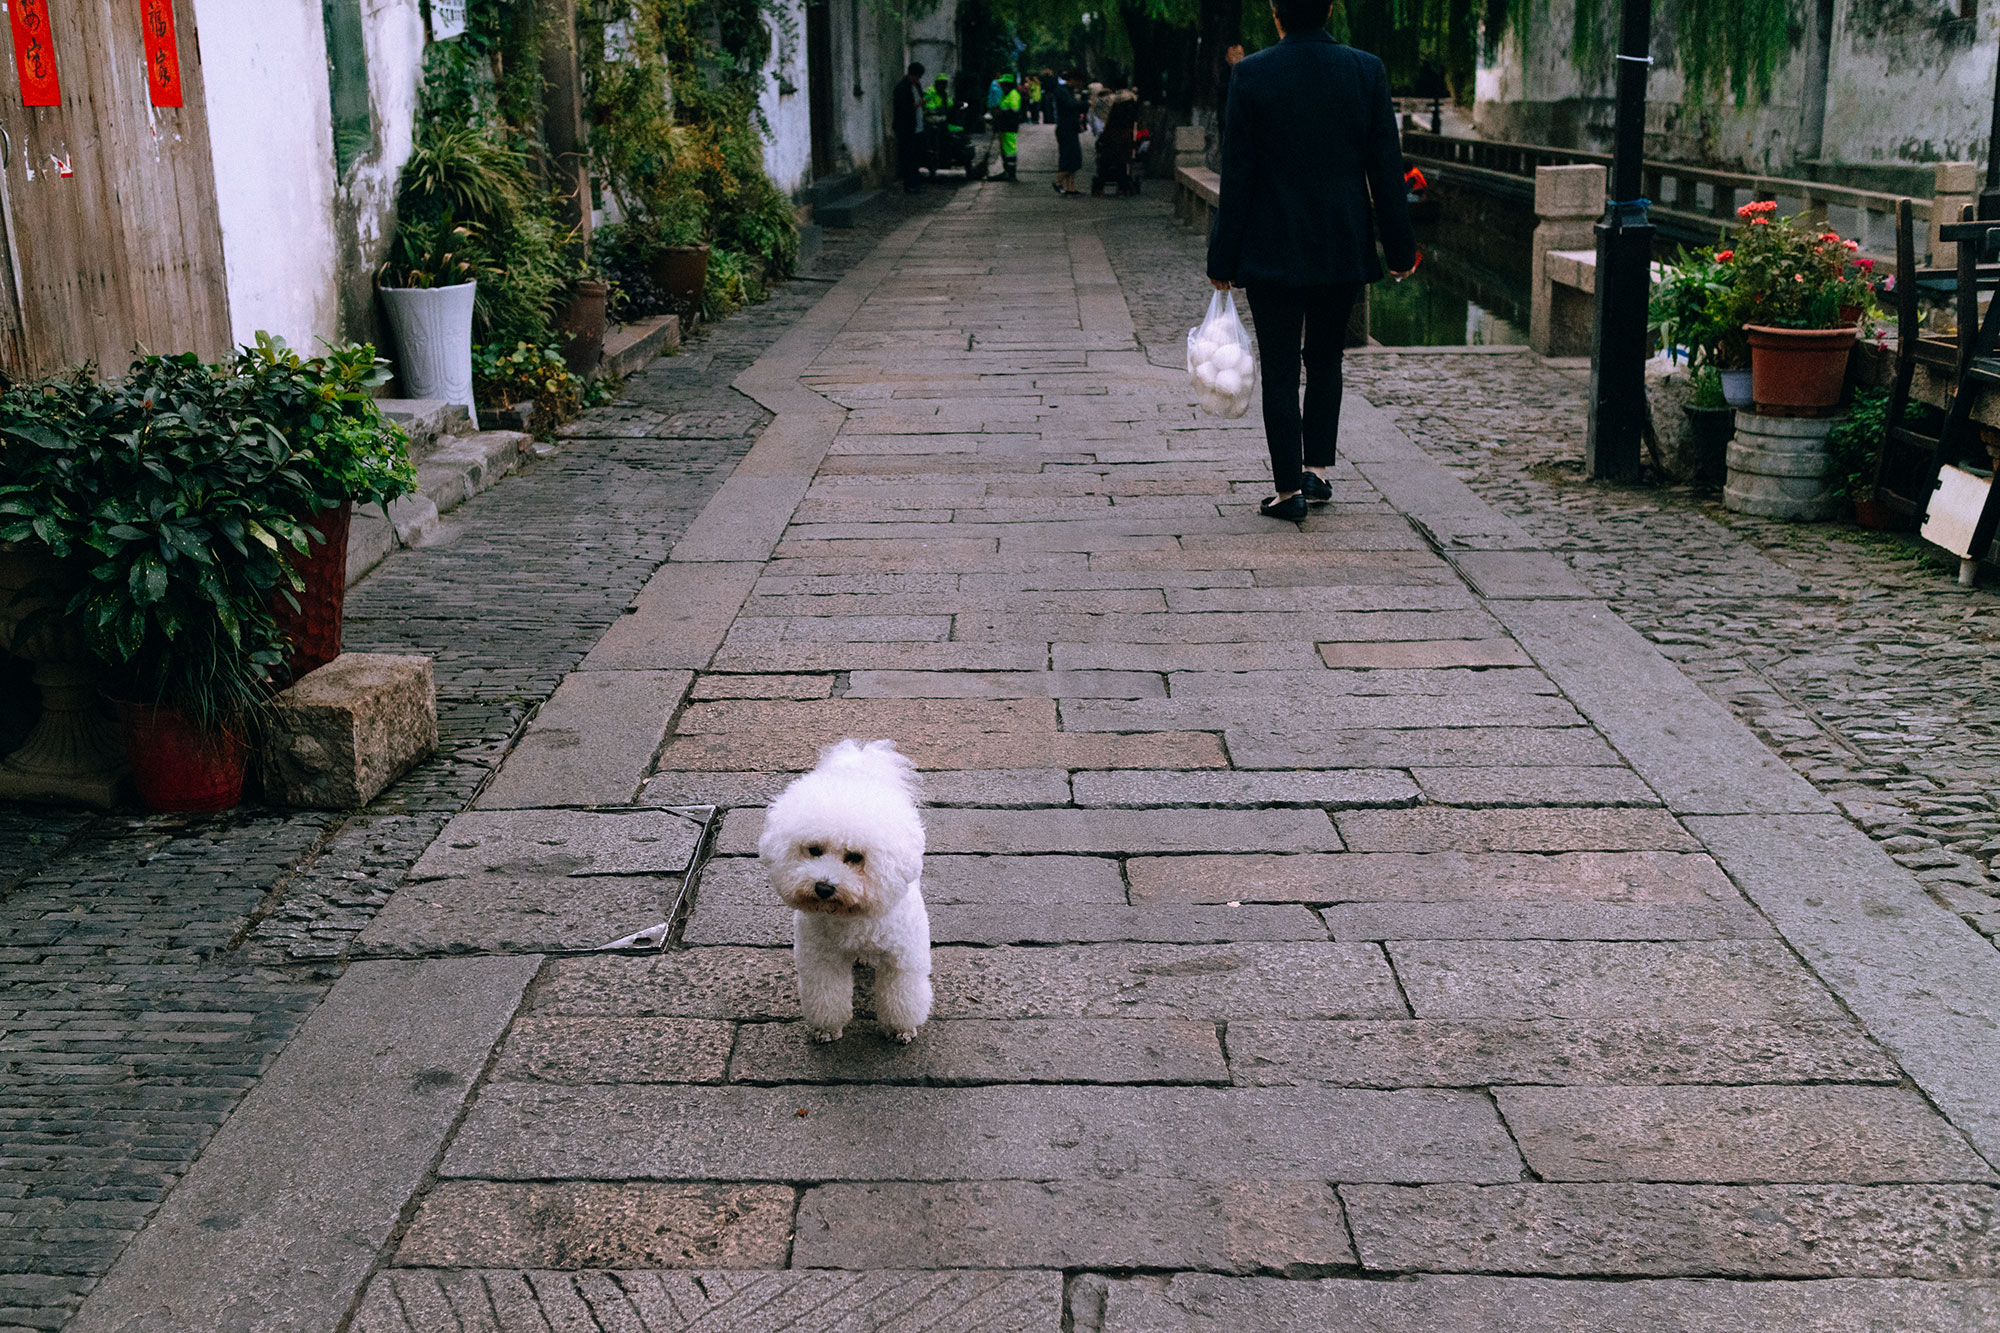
x=844 y=846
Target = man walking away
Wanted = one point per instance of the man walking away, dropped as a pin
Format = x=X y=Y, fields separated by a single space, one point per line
x=906 y=118
x=1312 y=173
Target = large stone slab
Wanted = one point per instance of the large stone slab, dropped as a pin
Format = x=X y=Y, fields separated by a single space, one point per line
x=529 y=1131
x=1732 y=979
x=1416 y=747
x=1118 y=831
x=599 y=1224
x=1911 y=970
x=1040 y=750
x=1005 y=685
x=1544 y=921
x=434 y=1301
x=1251 y=712
x=1027 y=787
x=1651 y=1230
x=677 y=620
x=562 y=843
x=1215 y=982
x=1343 y=789
x=560 y=1049
x=1402 y=877
x=1238 y=1226
x=766 y=923
x=1424 y=653
x=335 y=739
x=1742 y=1134
x=591 y=743
x=508 y=914
x=279 y=1221
x=1612 y=1049
x=1510 y=786
x=988 y=1051
x=1589 y=829
x=1210 y=1303
x=1686 y=745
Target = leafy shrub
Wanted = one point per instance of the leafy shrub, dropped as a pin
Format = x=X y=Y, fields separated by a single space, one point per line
x=180 y=498
x=503 y=376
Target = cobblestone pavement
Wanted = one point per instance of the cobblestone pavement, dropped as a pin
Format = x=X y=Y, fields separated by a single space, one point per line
x=1342 y=924
x=1855 y=655
x=150 y=968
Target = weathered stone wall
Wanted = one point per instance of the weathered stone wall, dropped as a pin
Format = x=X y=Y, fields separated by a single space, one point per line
x=1906 y=82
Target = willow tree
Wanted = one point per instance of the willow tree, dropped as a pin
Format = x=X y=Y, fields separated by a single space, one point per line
x=1738 y=44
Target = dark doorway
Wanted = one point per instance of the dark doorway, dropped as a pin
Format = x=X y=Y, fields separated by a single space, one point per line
x=819 y=85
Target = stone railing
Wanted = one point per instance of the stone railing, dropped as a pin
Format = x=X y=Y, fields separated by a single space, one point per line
x=1697 y=201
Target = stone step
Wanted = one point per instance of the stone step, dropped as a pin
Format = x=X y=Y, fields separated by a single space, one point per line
x=630 y=348
x=457 y=468
x=426 y=421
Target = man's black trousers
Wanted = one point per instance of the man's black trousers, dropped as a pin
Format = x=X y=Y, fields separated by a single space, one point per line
x=1301 y=325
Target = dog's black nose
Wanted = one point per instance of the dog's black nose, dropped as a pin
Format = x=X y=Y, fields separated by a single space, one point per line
x=824 y=889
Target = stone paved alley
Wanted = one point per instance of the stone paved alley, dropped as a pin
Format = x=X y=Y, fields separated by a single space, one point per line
x=1357 y=925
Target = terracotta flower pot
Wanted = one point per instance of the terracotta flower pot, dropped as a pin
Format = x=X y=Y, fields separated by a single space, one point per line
x=582 y=324
x=1798 y=371
x=681 y=273
x=177 y=766
x=313 y=631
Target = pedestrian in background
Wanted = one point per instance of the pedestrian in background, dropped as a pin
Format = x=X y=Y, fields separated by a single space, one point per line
x=1007 y=120
x=1069 y=132
x=906 y=118
x=1312 y=174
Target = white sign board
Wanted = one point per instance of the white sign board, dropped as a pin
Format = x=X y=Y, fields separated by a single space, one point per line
x=447 y=19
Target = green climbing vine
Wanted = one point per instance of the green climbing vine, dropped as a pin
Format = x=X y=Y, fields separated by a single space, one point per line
x=671 y=90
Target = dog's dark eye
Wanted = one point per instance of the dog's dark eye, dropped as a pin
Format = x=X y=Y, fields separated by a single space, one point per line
x=814 y=850
x=852 y=858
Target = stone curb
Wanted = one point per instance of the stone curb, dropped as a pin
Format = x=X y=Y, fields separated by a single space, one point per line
x=447 y=477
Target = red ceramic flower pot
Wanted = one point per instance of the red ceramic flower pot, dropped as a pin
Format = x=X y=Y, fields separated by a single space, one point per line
x=1799 y=371
x=582 y=324
x=177 y=766
x=313 y=631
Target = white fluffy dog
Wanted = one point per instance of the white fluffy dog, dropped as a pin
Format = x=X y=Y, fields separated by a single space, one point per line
x=844 y=846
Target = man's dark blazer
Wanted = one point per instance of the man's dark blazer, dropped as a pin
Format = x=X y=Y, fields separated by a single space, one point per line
x=1311 y=135
x=903 y=106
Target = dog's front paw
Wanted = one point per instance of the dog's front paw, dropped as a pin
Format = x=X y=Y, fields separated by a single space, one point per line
x=903 y=1036
x=824 y=1035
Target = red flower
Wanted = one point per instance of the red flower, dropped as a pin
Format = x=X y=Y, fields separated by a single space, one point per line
x=1757 y=207
x=1865 y=265
x=1725 y=256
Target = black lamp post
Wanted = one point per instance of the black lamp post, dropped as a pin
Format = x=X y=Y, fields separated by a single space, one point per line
x=1624 y=259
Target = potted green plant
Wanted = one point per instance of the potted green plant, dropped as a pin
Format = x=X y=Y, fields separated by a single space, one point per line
x=1690 y=312
x=677 y=254
x=173 y=502
x=428 y=288
x=1801 y=295
x=585 y=312
x=347 y=452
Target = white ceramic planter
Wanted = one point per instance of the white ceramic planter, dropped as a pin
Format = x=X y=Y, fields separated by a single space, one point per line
x=433 y=328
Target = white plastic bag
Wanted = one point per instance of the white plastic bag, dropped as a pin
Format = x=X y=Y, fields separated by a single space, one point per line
x=1220 y=364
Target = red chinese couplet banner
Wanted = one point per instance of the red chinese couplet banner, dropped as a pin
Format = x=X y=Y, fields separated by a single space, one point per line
x=163 y=55
x=34 y=53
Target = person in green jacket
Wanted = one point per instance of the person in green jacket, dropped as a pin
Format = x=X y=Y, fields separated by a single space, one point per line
x=937 y=106
x=1007 y=120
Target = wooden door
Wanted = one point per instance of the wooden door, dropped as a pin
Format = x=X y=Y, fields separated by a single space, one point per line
x=112 y=239
x=819 y=85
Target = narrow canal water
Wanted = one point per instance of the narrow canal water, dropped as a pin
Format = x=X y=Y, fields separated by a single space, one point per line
x=1472 y=286
x=1451 y=300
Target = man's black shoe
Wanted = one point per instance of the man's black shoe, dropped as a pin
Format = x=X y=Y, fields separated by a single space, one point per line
x=1292 y=508
x=1315 y=488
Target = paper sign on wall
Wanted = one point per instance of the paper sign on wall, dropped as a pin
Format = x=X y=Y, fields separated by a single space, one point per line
x=34 y=53
x=163 y=54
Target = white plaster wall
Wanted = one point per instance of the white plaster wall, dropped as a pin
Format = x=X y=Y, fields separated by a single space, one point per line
x=298 y=247
x=1894 y=99
x=788 y=116
x=271 y=132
